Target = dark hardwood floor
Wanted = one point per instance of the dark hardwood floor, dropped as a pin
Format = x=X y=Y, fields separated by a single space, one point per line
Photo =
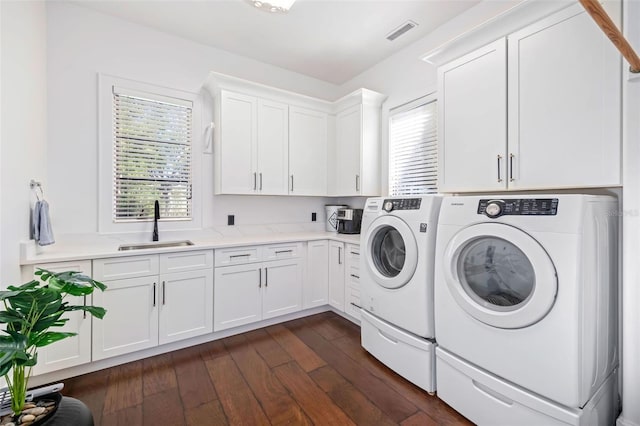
x=307 y=371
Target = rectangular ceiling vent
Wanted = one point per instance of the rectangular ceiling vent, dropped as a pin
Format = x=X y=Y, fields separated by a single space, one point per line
x=401 y=30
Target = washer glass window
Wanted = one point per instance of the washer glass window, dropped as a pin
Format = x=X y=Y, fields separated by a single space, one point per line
x=389 y=251
x=496 y=274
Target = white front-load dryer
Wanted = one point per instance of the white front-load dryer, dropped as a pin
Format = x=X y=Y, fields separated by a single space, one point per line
x=526 y=292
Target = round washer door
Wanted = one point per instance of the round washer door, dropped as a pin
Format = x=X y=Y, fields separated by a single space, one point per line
x=500 y=275
x=391 y=251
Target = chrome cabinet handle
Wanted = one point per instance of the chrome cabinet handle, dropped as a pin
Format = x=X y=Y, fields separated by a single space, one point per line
x=266 y=277
x=355 y=276
x=154 y=294
x=291 y=183
x=357 y=183
x=260 y=278
x=284 y=251
x=164 y=299
x=84 y=313
x=499 y=174
x=339 y=255
x=255 y=184
x=260 y=181
x=511 y=167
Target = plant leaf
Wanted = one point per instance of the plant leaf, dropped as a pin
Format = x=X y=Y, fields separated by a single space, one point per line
x=96 y=311
x=50 y=337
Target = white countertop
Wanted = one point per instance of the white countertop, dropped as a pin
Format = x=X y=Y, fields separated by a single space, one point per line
x=97 y=246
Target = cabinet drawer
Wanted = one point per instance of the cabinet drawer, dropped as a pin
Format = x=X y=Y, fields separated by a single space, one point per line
x=237 y=255
x=82 y=266
x=352 y=302
x=353 y=277
x=282 y=251
x=186 y=261
x=353 y=256
x=118 y=268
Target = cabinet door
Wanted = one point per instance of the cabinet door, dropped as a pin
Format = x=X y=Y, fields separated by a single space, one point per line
x=473 y=121
x=131 y=322
x=307 y=152
x=238 y=143
x=336 y=275
x=282 y=288
x=237 y=296
x=186 y=305
x=74 y=350
x=273 y=147
x=564 y=104
x=316 y=289
x=348 y=150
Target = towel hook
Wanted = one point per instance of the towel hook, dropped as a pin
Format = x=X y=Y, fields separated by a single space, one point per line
x=34 y=185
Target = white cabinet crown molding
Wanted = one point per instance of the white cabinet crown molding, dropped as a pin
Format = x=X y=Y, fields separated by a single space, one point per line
x=216 y=82
x=509 y=21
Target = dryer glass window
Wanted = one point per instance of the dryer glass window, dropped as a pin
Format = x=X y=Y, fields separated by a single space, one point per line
x=388 y=251
x=496 y=274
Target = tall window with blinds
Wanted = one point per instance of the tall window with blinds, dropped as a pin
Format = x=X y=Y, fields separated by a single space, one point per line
x=152 y=153
x=413 y=148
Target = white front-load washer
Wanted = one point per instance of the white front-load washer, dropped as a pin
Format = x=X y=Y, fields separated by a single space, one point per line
x=397 y=246
x=526 y=292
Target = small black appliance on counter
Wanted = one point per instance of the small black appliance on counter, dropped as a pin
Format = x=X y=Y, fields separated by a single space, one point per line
x=349 y=221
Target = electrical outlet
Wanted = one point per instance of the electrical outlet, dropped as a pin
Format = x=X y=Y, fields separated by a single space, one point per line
x=313 y=217
x=231 y=220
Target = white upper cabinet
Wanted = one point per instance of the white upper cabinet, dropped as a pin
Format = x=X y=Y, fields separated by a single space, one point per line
x=354 y=165
x=473 y=120
x=538 y=110
x=238 y=150
x=273 y=147
x=253 y=152
x=564 y=104
x=273 y=142
x=307 y=152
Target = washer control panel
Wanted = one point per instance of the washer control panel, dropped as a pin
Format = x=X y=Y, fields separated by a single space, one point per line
x=401 y=204
x=519 y=207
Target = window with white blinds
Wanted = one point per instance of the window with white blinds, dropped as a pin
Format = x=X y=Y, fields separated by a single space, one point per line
x=151 y=156
x=413 y=149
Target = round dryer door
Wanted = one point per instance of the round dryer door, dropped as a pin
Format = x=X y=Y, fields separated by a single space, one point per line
x=391 y=252
x=500 y=275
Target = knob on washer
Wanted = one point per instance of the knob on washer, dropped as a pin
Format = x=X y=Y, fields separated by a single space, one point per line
x=494 y=209
x=388 y=206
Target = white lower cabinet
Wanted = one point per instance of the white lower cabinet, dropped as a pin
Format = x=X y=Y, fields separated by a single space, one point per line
x=237 y=295
x=252 y=292
x=145 y=308
x=352 y=281
x=131 y=322
x=75 y=350
x=316 y=290
x=186 y=305
x=336 y=275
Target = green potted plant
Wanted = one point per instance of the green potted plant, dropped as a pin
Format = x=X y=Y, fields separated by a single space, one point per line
x=30 y=311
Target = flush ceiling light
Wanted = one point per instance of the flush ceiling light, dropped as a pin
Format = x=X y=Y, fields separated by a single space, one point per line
x=273 y=5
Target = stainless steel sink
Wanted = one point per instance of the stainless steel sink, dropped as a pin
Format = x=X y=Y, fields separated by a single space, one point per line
x=154 y=245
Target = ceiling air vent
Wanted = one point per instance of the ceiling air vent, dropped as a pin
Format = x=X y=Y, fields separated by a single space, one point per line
x=401 y=30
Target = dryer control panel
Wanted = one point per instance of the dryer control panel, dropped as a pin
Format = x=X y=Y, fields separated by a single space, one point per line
x=401 y=204
x=518 y=207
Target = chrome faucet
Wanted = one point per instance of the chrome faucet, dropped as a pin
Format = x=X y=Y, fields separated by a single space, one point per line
x=156 y=216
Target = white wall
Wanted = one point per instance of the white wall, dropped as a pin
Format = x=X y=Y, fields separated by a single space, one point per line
x=24 y=123
x=83 y=43
x=631 y=226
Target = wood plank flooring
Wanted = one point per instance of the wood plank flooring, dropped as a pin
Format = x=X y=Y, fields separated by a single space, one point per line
x=302 y=372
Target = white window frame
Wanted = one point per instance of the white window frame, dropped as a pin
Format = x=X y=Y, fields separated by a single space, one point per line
x=106 y=222
x=431 y=97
